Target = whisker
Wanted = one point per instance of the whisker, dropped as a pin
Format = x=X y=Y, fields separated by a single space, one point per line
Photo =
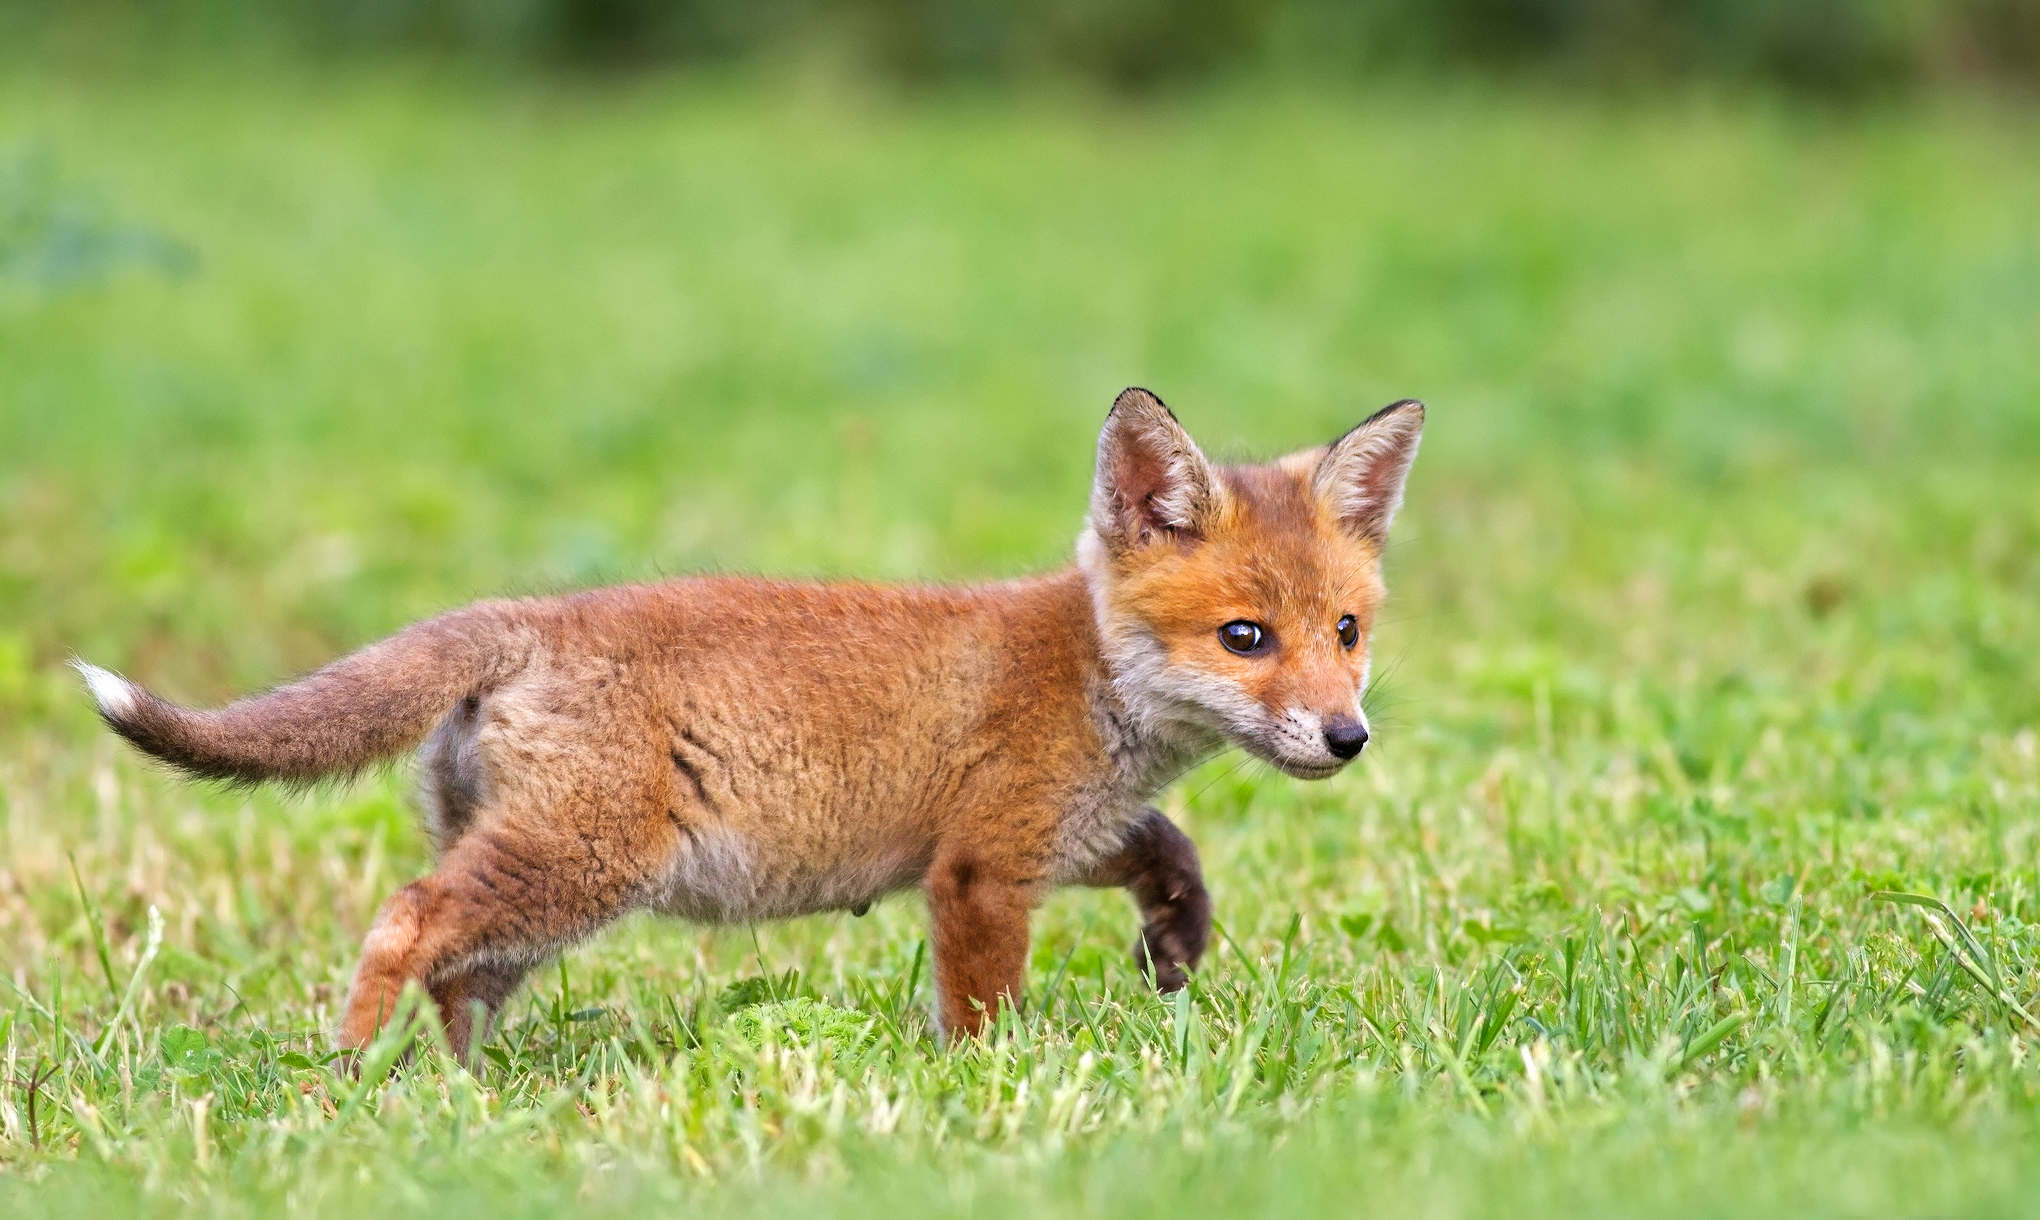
x=1243 y=759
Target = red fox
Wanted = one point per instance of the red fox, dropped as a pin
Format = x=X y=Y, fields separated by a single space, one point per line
x=727 y=749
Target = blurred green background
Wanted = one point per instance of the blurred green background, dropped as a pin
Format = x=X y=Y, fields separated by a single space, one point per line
x=1828 y=47
x=1715 y=607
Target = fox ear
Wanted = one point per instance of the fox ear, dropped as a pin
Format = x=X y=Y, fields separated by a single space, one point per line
x=1151 y=478
x=1361 y=475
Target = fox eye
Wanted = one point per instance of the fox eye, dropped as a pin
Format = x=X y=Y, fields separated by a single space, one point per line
x=1349 y=631
x=1242 y=636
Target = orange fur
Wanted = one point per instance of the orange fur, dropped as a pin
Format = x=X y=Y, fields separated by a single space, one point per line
x=730 y=749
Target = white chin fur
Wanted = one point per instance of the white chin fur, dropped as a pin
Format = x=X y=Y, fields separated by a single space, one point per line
x=1305 y=770
x=114 y=694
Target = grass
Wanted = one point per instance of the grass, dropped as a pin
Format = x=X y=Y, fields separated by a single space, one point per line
x=1717 y=614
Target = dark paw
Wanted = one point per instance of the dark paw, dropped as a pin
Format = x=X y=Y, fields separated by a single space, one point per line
x=346 y=1066
x=1166 y=955
x=1169 y=977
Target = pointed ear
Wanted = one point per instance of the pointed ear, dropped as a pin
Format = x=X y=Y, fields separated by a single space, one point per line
x=1361 y=475
x=1151 y=478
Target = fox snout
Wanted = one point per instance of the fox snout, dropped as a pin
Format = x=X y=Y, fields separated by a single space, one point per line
x=1345 y=736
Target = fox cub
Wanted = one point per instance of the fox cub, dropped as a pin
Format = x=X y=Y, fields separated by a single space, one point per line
x=729 y=749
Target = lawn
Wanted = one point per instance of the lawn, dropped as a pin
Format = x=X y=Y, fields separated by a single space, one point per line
x=1715 y=615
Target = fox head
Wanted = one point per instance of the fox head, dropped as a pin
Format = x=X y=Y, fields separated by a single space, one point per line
x=1238 y=601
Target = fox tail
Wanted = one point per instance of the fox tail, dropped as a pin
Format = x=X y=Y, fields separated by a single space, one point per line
x=366 y=706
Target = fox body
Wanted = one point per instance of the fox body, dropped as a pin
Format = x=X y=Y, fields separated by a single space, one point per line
x=728 y=749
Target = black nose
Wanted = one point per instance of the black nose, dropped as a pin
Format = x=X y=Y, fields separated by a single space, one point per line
x=1345 y=736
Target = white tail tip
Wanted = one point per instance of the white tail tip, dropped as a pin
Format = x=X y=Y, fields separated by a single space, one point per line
x=114 y=694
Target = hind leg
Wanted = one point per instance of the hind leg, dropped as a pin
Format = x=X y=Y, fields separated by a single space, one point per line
x=1158 y=865
x=470 y=1000
x=453 y=792
x=510 y=892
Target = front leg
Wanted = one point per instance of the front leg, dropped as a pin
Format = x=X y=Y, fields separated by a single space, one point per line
x=978 y=908
x=1158 y=865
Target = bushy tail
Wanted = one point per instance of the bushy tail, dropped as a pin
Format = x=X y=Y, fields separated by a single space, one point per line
x=367 y=706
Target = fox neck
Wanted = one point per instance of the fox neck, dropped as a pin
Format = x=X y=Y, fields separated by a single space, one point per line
x=1152 y=735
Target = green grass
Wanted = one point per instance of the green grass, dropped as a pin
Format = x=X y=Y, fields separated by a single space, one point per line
x=1716 y=611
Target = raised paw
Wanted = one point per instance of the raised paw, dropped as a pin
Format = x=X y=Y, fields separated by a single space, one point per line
x=1172 y=942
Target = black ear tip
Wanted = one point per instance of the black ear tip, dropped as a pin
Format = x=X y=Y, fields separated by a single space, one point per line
x=1411 y=407
x=1140 y=396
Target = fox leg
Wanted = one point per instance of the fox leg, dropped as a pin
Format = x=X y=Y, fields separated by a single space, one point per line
x=978 y=911
x=488 y=985
x=1158 y=865
x=505 y=896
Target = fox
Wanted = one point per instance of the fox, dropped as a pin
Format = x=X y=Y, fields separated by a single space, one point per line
x=731 y=749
